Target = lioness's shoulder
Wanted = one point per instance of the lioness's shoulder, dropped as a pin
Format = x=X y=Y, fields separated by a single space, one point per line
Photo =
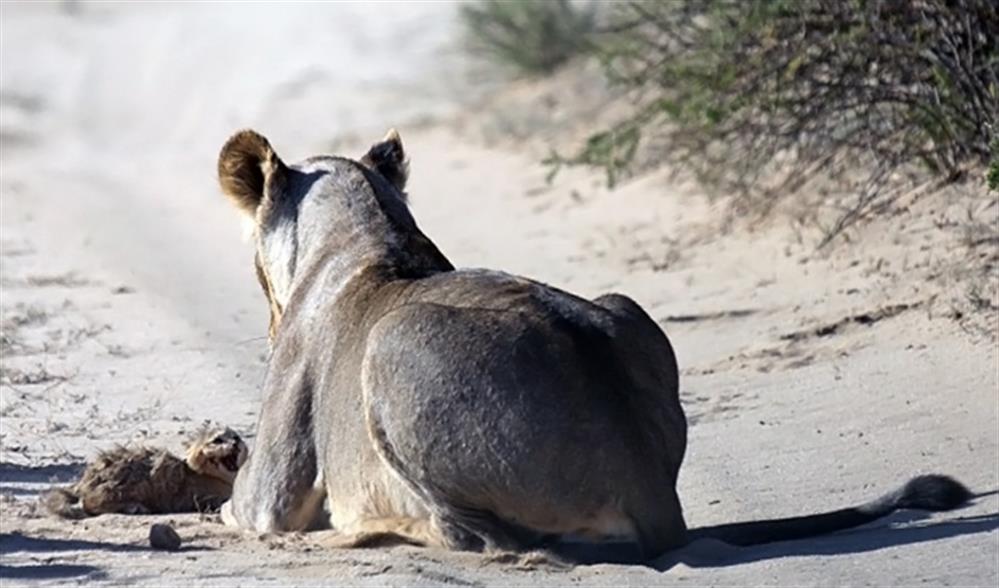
x=515 y=295
x=482 y=313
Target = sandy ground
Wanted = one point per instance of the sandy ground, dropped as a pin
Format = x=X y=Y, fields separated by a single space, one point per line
x=130 y=311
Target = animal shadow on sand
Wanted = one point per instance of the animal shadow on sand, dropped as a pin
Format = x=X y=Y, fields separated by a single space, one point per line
x=21 y=479
x=67 y=472
x=901 y=528
x=16 y=542
x=50 y=572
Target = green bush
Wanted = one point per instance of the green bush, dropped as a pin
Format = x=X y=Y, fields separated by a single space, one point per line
x=743 y=93
x=532 y=37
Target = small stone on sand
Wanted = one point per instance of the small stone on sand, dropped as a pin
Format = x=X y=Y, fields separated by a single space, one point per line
x=163 y=536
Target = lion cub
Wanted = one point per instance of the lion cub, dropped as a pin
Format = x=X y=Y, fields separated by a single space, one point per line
x=144 y=480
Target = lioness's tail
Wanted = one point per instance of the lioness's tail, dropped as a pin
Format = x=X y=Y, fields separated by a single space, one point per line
x=64 y=502
x=931 y=492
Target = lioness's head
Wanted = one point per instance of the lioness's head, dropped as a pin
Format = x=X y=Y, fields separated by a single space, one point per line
x=314 y=207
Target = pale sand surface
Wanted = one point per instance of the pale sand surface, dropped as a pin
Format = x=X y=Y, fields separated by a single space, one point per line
x=130 y=309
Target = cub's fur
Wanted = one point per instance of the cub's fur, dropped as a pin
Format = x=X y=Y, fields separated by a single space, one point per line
x=469 y=409
x=141 y=480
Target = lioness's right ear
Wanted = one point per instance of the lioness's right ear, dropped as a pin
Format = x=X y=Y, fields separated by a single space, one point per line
x=388 y=158
x=246 y=163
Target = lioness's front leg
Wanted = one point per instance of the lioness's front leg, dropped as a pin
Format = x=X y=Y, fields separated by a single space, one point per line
x=280 y=487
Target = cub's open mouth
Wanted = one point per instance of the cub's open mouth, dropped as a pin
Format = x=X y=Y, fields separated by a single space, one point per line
x=231 y=461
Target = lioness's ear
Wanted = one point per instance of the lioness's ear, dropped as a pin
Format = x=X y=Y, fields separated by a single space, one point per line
x=246 y=162
x=388 y=158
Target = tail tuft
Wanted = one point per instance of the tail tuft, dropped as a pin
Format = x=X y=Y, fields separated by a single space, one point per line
x=64 y=503
x=933 y=492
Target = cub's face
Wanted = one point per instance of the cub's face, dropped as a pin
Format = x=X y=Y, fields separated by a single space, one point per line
x=274 y=198
x=217 y=451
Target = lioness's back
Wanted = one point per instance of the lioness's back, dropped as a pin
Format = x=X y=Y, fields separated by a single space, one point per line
x=499 y=291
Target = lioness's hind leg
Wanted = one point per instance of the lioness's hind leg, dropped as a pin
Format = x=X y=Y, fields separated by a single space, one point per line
x=660 y=525
x=385 y=532
x=478 y=530
x=455 y=527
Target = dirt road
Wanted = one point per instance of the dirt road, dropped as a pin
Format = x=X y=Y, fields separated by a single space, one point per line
x=130 y=310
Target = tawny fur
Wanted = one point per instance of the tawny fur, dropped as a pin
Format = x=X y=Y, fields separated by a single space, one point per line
x=140 y=480
x=388 y=158
x=409 y=402
x=244 y=163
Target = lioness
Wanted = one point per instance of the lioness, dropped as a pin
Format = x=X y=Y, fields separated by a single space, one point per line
x=468 y=409
x=144 y=480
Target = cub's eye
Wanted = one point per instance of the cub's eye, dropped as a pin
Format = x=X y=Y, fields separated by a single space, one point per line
x=218 y=440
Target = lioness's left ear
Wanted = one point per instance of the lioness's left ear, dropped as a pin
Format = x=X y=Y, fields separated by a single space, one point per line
x=246 y=163
x=388 y=158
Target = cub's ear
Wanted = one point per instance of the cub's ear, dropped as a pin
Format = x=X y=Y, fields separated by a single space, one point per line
x=196 y=459
x=246 y=163
x=388 y=158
